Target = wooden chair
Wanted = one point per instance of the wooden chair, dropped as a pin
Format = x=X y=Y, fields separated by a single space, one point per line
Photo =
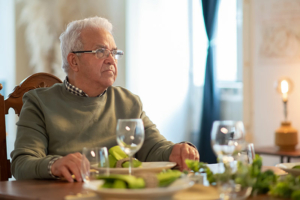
x=14 y=100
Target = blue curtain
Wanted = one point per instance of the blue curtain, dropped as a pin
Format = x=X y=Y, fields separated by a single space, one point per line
x=211 y=109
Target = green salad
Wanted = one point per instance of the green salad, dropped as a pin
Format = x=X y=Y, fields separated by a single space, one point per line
x=251 y=175
x=120 y=181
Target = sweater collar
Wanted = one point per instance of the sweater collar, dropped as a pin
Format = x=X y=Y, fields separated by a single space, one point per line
x=75 y=90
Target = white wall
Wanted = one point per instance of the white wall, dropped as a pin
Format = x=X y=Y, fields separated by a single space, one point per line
x=271 y=51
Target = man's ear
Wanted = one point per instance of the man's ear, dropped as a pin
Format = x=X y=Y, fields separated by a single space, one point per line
x=73 y=61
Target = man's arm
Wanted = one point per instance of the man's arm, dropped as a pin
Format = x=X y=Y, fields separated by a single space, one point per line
x=29 y=158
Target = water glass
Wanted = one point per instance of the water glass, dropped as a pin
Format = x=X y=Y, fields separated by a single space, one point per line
x=247 y=155
x=94 y=162
x=250 y=153
x=229 y=144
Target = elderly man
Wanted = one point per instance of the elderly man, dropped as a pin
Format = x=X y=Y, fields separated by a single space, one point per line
x=57 y=122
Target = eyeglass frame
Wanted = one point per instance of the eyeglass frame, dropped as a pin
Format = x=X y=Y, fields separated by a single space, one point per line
x=110 y=52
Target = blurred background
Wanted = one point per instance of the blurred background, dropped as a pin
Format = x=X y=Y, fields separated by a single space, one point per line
x=254 y=43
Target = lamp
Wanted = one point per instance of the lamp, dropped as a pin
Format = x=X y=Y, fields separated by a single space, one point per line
x=286 y=137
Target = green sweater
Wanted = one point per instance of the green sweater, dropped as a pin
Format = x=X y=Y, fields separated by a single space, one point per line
x=55 y=122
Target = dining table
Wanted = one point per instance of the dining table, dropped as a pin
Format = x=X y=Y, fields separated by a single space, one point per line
x=63 y=190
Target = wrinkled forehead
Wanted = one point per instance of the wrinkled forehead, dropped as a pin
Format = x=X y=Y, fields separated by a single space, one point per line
x=97 y=37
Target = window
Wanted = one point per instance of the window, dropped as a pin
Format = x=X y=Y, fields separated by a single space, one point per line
x=228 y=41
x=7 y=67
x=158 y=61
x=199 y=43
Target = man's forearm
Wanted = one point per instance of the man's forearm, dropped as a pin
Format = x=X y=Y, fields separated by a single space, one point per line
x=30 y=167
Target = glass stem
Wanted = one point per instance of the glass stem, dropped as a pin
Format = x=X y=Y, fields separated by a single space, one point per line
x=130 y=164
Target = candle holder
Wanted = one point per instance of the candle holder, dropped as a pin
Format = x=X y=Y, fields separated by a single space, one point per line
x=286 y=136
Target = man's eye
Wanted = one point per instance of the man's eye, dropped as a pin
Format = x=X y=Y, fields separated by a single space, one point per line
x=101 y=50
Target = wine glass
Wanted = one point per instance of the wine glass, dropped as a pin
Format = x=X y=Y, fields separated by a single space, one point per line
x=130 y=137
x=227 y=139
x=94 y=162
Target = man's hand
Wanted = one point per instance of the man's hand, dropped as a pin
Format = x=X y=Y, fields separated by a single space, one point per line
x=68 y=165
x=181 y=152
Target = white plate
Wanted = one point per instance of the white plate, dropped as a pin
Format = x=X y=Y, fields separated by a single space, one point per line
x=147 y=193
x=146 y=167
x=288 y=168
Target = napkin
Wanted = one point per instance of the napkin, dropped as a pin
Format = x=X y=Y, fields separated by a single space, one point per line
x=116 y=154
x=121 y=181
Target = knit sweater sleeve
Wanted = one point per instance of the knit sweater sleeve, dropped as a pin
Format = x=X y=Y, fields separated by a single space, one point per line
x=29 y=158
x=155 y=147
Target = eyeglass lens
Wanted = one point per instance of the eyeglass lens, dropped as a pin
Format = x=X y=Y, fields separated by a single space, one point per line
x=104 y=53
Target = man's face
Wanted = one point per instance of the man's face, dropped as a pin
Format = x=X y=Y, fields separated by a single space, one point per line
x=92 y=70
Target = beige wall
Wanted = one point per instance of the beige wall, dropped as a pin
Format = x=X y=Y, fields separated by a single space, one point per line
x=272 y=24
x=22 y=57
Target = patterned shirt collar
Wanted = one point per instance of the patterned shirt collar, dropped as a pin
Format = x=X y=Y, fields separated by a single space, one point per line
x=75 y=90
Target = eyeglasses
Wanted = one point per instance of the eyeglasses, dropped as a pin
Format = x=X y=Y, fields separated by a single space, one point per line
x=103 y=53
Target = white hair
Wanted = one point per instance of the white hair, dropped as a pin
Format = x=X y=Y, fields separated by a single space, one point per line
x=70 y=39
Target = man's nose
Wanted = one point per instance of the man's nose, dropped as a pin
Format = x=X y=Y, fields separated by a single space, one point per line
x=110 y=59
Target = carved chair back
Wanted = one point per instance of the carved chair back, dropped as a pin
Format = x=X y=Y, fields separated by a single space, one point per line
x=14 y=101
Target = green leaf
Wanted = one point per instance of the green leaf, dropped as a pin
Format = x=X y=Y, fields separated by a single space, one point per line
x=135 y=163
x=107 y=184
x=167 y=177
x=285 y=186
x=117 y=152
x=296 y=167
x=210 y=176
x=264 y=182
x=296 y=195
x=195 y=165
x=282 y=189
x=112 y=161
x=119 y=184
x=256 y=166
x=132 y=182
